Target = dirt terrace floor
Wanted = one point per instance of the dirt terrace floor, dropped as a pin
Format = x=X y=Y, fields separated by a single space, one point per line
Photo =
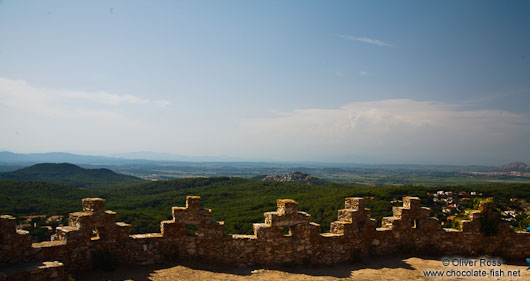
x=390 y=268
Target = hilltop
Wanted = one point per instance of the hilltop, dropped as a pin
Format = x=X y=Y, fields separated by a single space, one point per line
x=71 y=175
x=294 y=177
x=514 y=167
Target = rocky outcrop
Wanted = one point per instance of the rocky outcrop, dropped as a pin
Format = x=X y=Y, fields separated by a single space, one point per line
x=294 y=177
x=514 y=167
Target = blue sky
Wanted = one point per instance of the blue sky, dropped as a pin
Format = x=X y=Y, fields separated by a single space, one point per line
x=350 y=81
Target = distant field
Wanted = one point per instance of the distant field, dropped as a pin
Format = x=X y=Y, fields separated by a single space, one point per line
x=367 y=176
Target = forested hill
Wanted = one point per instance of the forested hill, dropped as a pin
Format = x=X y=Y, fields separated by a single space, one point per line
x=71 y=175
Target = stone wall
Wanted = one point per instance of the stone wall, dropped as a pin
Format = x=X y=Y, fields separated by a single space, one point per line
x=287 y=236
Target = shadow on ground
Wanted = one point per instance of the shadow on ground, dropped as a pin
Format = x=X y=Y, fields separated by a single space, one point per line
x=185 y=270
x=143 y=272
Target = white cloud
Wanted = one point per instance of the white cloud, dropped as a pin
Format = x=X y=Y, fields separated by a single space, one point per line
x=113 y=99
x=105 y=98
x=20 y=95
x=400 y=128
x=36 y=120
x=365 y=40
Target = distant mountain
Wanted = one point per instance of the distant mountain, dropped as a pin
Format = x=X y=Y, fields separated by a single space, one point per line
x=294 y=177
x=10 y=167
x=162 y=156
x=145 y=157
x=514 y=167
x=56 y=157
x=70 y=174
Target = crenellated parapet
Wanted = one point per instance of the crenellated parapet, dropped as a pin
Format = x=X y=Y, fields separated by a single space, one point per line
x=354 y=219
x=93 y=223
x=287 y=221
x=287 y=235
x=192 y=214
x=411 y=216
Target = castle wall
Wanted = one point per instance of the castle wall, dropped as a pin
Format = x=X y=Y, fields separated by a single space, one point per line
x=355 y=234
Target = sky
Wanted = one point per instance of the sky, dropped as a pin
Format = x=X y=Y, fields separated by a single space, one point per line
x=427 y=82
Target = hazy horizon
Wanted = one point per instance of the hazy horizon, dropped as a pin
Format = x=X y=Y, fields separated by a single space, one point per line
x=384 y=82
x=170 y=157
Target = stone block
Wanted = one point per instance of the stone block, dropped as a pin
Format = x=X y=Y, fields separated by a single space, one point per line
x=475 y=215
x=193 y=202
x=412 y=203
x=287 y=206
x=265 y=231
x=354 y=203
x=94 y=205
x=340 y=227
x=7 y=224
x=349 y=215
x=170 y=229
x=401 y=212
x=390 y=222
x=276 y=219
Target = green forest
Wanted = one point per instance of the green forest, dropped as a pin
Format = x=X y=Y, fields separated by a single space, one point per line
x=237 y=201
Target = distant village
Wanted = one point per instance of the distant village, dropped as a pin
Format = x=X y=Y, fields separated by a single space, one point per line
x=454 y=205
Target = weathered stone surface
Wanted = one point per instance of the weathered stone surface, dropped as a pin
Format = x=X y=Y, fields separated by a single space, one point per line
x=35 y=271
x=354 y=203
x=286 y=236
x=94 y=205
x=15 y=245
x=192 y=214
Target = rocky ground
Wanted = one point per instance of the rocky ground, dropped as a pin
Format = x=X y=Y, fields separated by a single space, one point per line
x=395 y=268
